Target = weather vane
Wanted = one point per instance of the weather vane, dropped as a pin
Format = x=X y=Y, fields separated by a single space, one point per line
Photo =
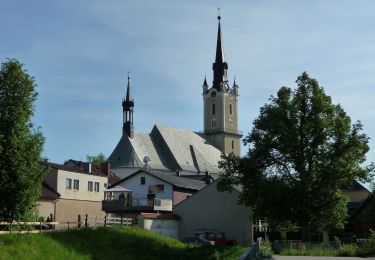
x=218 y=13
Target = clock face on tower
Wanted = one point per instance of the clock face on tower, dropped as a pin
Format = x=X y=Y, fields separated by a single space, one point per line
x=213 y=94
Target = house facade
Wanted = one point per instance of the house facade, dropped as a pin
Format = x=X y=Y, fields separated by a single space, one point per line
x=148 y=191
x=80 y=193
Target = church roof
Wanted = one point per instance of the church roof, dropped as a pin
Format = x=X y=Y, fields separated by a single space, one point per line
x=169 y=149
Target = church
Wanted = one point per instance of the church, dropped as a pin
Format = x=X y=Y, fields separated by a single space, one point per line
x=176 y=151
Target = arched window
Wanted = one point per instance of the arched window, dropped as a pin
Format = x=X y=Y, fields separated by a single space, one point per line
x=232 y=144
x=230 y=109
x=213 y=109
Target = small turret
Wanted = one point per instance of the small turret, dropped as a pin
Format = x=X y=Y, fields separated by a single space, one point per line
x=128 y=110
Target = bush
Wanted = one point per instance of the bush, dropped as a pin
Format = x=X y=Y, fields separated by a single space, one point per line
x=265 y=250
x=348 y=250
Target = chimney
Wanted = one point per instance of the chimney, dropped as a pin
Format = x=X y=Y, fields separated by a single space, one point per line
x=90 y=166
x=106 y=168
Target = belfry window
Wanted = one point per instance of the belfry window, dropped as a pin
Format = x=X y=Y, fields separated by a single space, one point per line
x=213 y=109
x=230 y=109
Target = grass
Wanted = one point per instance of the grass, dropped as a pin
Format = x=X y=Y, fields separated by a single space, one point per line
x=107 y=243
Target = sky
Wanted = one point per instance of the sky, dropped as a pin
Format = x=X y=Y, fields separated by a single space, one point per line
x=80 y=53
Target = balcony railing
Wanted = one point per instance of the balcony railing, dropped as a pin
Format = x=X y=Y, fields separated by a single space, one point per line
x=139 y=204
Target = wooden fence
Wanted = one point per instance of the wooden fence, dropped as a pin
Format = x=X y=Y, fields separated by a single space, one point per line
x=82 y=222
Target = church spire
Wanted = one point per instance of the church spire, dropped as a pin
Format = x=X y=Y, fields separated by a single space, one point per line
x=219 y=45
x=128 y=96
x=128 y=110
x=220 y=67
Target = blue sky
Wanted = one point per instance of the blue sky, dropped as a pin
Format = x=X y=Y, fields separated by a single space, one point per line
x=80 y=52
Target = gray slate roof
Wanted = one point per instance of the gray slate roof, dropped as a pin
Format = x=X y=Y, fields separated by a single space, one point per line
x=169 y=149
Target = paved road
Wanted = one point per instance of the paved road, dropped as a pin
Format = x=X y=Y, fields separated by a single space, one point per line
x=278 y=257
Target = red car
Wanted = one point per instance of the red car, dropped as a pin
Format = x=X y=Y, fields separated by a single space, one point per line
x=216 y=236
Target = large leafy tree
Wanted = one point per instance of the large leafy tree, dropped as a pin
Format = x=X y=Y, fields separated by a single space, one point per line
x=96 y=159
x=21 y=144
x=302 y=150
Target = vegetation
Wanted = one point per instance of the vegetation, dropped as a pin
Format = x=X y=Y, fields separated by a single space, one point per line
x=107 y=243
x=20 y=144
x=302 y=150
x=341 y=250
x=96 y=159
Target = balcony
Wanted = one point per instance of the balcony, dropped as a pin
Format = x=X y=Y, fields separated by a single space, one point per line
x=139 y=204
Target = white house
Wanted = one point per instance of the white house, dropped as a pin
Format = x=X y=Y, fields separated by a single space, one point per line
x=151 y=191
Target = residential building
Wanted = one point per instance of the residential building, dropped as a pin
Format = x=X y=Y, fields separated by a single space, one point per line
x=80 y=192
x=148 y=191
x=212 y=210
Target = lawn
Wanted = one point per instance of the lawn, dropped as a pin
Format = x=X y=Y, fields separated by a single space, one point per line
x=107 y=243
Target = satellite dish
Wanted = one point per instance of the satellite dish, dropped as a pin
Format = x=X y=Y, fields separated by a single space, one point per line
x=146 y=160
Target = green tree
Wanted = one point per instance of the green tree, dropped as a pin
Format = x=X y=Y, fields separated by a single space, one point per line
x=96 y=159
x=302 y=149
x=21 y=145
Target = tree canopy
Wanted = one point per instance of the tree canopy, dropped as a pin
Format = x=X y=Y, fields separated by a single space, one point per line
x=302 y=149
x=21 y=144
x=96 y=159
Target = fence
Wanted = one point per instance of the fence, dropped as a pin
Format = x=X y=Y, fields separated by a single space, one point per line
x=82 y=222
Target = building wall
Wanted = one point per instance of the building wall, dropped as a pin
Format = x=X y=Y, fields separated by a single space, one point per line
x=83 y=193
x=223 y=119
x=211 y=209
x=165 y=227
x=356 y=196
x=141 y=191
x=68 y=210
x=46 y=208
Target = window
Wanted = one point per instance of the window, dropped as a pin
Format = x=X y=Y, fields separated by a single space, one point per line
x=68 y=184
x=143 y=180
x=232 y=144
x=76 y=185
x=89 y=186
x=96 y=186
x=230 y=109
x=213 y=109
x=213 y=122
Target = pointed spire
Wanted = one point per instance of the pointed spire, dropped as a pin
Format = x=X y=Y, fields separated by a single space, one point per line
x=128 y=96
x=219 y=45
x=205 y=81
x=219 y=67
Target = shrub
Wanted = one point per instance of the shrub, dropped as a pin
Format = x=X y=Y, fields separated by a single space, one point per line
x=348 y=250
x=265 y=250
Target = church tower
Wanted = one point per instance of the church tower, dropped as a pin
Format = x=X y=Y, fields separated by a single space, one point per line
x=220 y=105
x=128 y=110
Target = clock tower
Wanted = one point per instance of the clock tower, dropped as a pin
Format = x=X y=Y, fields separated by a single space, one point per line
x=220 y=105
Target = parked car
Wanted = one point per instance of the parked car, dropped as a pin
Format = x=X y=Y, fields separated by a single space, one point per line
x=216 y=236
x=197 y=240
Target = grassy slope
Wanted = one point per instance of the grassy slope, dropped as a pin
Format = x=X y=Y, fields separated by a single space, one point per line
x=110 y=243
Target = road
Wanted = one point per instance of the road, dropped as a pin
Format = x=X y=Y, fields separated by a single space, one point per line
x=278 y=257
